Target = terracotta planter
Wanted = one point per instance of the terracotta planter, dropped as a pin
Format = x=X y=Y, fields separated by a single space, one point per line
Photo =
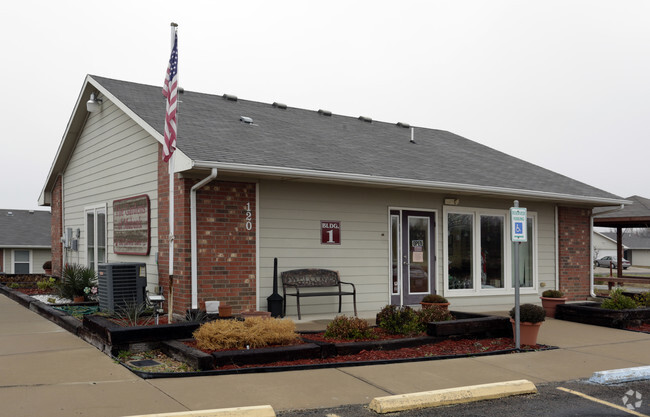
x=79 y=299
x=527 y=332
x=444 y=306
x=48 y=271
x=549 y=304
x=253 y=313
x=225 y=311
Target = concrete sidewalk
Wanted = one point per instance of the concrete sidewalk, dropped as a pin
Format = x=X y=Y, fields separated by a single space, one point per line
x=46 y=371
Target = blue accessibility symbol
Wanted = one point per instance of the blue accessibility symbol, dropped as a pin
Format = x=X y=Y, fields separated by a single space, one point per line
x=519 y=228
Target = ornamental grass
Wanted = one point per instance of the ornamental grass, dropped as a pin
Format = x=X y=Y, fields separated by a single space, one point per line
x=253 y=332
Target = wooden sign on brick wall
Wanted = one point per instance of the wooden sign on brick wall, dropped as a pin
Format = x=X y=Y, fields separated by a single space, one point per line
x=131 y=226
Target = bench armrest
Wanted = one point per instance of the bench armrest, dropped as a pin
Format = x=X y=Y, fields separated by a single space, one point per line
x=349 y=283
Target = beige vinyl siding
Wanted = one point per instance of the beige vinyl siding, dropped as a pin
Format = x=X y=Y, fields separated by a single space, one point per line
x=114 y=158
x=39 y=256
x=289 y=229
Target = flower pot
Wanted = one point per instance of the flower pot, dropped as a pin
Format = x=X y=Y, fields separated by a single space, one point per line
x=253 y=313
x=444 y=306
x=549 y=304
x=79 y=299
x=527 y=332
x=225 y=311
x=48 y=271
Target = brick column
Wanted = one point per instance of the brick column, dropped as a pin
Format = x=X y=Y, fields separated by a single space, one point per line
x=225 y=240
x=57 y=228
x=574 y=251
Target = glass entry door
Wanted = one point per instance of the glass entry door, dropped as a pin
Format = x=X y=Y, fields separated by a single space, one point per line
x=412 y=256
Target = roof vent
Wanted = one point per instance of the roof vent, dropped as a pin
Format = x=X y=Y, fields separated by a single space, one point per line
x=245 y=119
x=365 y=119
x=404 y=125
x=10 y=213
x=324 y=112
x=230 y=97
x=280 y=105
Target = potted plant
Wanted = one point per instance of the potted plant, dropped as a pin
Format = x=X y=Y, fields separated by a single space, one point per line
x=74 y=281
x=225 y=310
x=531 y=317
x=550 y=299
x=47 y=267
x=430 y=300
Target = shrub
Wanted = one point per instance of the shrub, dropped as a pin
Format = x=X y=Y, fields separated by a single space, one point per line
x=74 y=280
x=253 y=332
x=434 y=313
x=553 y=294
x=46 y=284
x=132 y=313
x=398 y=320
x=434 y=298
x=531 y=313
x=618 y=301
x=47 y=265
x=643 y=299
x=343 y=327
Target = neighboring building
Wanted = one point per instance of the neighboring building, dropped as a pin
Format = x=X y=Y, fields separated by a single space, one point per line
x=25 y=241
x=398 y=217
x=637 y=248
x=604 y=244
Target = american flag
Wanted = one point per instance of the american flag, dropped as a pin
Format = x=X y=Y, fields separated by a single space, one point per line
x=170 y=91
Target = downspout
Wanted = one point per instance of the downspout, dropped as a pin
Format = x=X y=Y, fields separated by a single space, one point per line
x=591 y=246
x=193 y=250
x=557 y=249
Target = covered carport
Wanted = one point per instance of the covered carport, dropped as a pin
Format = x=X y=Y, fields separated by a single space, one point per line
x=636 y=215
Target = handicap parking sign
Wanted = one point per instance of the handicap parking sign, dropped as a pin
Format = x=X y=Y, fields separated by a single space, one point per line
x=518 y=227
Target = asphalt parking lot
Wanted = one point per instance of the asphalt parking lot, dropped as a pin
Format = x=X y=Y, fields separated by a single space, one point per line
x=572 y=398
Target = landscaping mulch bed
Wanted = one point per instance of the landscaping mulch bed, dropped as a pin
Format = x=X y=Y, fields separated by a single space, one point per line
x=644 y=328
x=447 y=348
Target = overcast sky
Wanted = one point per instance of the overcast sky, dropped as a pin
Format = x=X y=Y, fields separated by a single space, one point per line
x=562 y=84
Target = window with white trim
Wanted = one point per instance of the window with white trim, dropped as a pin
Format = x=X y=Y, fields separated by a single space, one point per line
x=21 y=262
x=479 y=252
x=95 y=237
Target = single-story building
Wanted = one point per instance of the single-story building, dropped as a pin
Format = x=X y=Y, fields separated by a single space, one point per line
x=604 y=244
x=400 y=211
x=25 y=241
x=636 y=247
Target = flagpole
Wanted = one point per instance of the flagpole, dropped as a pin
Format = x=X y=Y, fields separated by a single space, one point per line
x=170 y=313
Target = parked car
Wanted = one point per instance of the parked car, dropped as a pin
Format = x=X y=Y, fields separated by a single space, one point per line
x=606 y=260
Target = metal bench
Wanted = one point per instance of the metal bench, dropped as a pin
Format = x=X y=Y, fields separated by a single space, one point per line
x=314 y=278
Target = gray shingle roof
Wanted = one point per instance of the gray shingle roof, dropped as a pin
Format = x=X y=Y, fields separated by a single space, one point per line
x=210 y=130
x=639 y=209
x=632 y=241
x=25 y=228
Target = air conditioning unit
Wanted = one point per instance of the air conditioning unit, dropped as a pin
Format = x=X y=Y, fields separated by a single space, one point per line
x=121 y=284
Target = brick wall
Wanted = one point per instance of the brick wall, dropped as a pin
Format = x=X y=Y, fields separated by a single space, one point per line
x=226 y=247
x=574 y=251
x=57 y=228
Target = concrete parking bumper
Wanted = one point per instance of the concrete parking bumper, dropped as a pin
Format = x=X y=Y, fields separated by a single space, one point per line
x=393 y=403
x=254 y=411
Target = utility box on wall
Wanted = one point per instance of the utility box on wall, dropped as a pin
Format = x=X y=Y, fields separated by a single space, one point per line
x=121 y=284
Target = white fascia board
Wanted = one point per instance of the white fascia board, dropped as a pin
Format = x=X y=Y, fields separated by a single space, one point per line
x=24 y=247
x=402 y=182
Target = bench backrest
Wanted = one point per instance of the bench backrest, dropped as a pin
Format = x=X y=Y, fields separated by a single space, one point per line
x=310 y=277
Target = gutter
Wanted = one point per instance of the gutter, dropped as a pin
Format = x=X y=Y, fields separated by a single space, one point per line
x=375 y=180
x=193 y=250
x=591 y=245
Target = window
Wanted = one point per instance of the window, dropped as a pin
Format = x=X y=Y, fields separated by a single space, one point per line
x=95 y=237
x=479 y=252
x=21 y=262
